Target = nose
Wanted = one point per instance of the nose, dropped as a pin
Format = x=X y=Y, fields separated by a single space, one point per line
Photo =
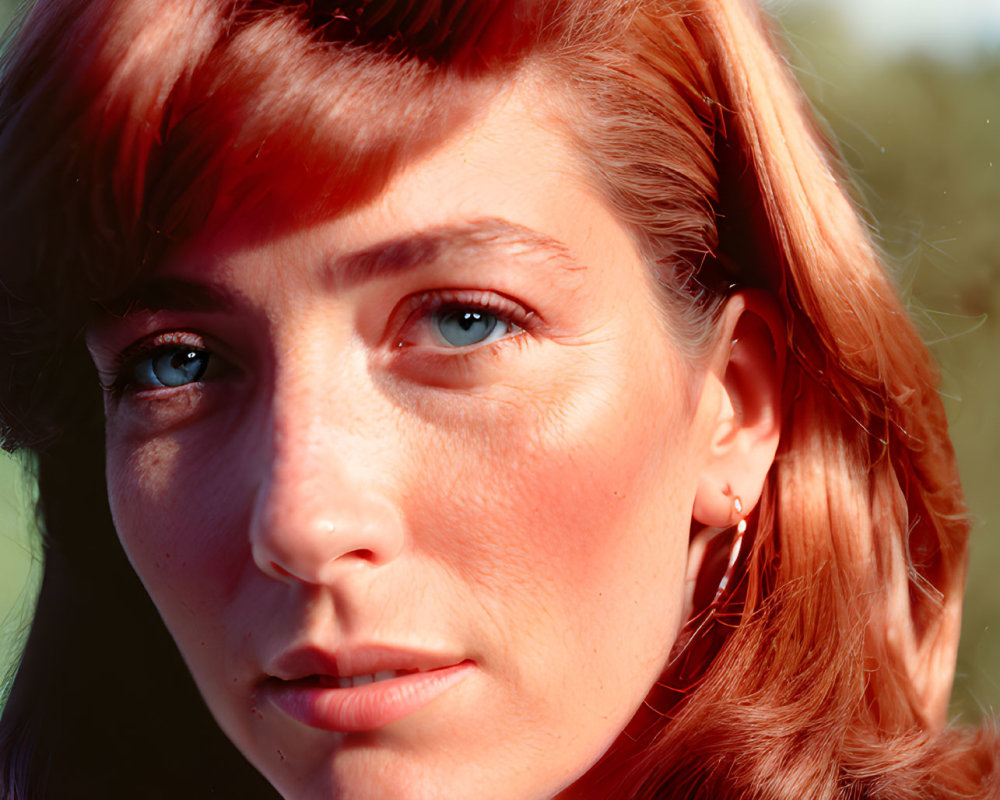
x=320 y=507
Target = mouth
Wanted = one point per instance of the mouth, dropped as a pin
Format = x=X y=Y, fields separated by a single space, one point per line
x=321 y=691
x=354 y=681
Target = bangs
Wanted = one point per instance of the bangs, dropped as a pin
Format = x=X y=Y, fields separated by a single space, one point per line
x=277 y=122
x=280 y=135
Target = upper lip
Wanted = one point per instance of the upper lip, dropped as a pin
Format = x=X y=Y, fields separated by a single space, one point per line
x=309 y=660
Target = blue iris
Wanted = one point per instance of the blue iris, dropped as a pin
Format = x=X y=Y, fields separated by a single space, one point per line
x=464 y=326
x=171 y=366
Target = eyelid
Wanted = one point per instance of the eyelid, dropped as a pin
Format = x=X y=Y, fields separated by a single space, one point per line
x=419 y=308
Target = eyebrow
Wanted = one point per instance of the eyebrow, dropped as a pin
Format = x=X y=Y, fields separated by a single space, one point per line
x=470 y=240
x=159 y=293
x=467 y=240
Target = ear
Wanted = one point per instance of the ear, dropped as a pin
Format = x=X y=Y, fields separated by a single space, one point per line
x=741 y=397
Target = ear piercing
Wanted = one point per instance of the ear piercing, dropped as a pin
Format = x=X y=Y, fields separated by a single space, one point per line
x=734 y=552
x=741 y=526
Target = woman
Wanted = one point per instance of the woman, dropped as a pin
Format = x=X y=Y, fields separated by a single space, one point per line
x=499 y=400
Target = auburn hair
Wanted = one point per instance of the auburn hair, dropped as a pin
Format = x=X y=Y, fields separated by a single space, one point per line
x=128 y=127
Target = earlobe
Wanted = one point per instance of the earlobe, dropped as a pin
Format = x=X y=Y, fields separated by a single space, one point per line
x=742 y=395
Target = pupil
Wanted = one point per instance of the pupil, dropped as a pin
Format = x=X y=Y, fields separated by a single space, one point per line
x=183 y=360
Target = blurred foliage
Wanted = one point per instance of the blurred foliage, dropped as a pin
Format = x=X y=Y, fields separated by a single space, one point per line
x=8 y=8
x=922 y=138
x=20 y=565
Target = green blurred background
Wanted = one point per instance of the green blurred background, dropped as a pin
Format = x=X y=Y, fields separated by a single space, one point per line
x=911 y=91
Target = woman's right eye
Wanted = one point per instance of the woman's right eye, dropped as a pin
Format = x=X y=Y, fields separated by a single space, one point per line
x=167 y=367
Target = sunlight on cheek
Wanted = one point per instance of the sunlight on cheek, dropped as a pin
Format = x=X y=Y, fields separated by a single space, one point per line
x=582 y=486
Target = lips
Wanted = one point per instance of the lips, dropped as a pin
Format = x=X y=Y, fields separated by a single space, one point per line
x=309 y=661
x=359 y=689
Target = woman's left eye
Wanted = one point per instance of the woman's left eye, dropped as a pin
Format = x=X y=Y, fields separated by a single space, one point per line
x=460 y=319
x=463 y=327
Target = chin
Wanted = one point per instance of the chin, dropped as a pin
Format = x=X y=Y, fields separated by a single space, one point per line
x=391 y=776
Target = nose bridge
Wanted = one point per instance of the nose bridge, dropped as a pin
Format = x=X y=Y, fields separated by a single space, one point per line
x=324 y=498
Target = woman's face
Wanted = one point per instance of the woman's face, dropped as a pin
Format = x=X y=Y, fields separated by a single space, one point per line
x=412 y=488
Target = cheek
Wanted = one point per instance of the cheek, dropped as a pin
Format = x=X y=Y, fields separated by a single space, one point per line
x=570 y=508
x=174 y=505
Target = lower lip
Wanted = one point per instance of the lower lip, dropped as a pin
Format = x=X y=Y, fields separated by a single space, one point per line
x=362 y=708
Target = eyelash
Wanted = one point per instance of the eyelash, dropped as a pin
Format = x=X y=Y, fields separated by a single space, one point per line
x=416 y=310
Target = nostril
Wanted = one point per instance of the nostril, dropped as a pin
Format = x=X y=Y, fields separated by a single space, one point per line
x=283 y=573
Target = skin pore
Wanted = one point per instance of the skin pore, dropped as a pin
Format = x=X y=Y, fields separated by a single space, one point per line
x=446 y=429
